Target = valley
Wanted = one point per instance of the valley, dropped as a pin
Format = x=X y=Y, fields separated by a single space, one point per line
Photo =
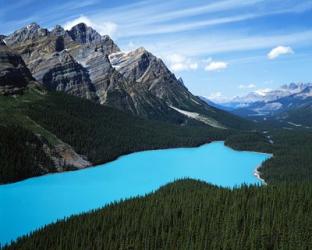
x=128 y=176
x=104 y=148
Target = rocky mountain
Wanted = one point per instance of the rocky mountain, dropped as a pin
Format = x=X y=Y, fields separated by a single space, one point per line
x=14 y=75
x=83 y=63
x=150 y=72
x=271 y=102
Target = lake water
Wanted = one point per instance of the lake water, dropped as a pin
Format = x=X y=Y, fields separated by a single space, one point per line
x=30 y=204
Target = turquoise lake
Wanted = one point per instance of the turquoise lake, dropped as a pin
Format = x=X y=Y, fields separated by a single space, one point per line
x=33 y=203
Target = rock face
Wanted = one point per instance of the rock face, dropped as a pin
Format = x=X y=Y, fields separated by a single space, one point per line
x=82 y=34
x=30 y=32
x=14 y=75
x=59 y=71
x=81 y=62
x=151 y=73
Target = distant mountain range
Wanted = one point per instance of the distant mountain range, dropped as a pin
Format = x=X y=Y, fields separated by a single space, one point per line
x=287 y=103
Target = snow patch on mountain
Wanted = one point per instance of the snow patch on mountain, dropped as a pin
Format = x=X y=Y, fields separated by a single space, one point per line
x=207 y=120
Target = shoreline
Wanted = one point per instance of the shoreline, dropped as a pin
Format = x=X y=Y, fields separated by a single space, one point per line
x=256 y=172
x=257 y=175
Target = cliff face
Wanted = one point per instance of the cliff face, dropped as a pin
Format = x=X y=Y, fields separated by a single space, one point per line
x=14 y=75
x=150 y=72
x=81 y=62
x=59 y=71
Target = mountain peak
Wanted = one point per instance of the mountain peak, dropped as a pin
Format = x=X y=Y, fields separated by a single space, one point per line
x=29 y=32
x=181 y=80
x=84 y=34
x=33 y=26
x=58 y=30
x=141 y=50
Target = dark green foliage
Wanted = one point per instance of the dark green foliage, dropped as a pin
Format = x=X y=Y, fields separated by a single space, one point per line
x=102 y=133
x=21 y=154
x=190 y=215
x=292 y=158
x=183 y=215
x=249 y=141
x=302 y=115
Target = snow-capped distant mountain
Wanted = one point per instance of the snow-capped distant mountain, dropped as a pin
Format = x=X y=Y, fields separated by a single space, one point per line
x=269 y=102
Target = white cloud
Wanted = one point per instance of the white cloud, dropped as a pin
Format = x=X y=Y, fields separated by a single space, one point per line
x=104 y=28
x=263 y=92
x=81 y=19
x=216 y=66
x=247 y=86
x=279 y=50
x=178 y=62
x=207 y=44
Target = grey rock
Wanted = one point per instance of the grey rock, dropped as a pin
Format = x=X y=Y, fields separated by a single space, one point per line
x=150 y=72
x=14 y=75
x=58 y=31
x=60 y=72
x=31 y=31
x=81 y=62
x=81 y=33
x=109 y=84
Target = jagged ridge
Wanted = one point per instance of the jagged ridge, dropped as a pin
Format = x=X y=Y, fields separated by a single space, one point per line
x=81 y=62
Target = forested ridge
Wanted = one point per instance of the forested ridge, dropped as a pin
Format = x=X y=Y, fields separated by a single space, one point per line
x=100 y=133
x=291 y=149
x=103 y=133
x=190 y=214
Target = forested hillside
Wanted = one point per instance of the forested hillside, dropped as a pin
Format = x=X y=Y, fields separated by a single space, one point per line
x=292 y=158
x=21 y=154
x=37 y=122
x=190 y=215
x=103 y=133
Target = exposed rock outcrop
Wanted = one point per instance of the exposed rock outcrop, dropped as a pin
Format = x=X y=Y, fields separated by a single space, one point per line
x=81 y=33
x=30 y=32
x=14 y=75
x=59 y=71
x=81 y=62
x=143 y=67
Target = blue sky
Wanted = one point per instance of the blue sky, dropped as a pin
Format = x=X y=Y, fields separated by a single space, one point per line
x=221 y=48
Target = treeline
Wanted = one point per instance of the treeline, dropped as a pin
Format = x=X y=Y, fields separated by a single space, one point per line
x=21 y=154
x=190 y=215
